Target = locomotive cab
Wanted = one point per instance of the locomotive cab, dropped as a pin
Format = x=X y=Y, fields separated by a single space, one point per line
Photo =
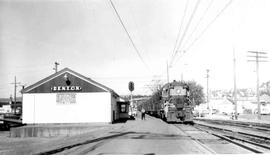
x=171 y=103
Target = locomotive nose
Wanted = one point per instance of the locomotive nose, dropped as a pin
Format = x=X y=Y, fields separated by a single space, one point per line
x=180 y=114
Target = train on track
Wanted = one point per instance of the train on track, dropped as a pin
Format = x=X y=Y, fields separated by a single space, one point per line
x=171 y=103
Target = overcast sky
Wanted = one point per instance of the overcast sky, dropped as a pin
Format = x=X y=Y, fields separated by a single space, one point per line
x=87 y=37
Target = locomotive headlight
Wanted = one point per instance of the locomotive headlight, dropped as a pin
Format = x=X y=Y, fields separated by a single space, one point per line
x=178 y=91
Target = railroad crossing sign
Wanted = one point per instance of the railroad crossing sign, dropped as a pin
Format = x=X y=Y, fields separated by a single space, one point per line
x=131 y=86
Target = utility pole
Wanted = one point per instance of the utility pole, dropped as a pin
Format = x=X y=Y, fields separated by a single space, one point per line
x=183 y=71
x=259 y=57
x=182 y=77
x=168 y=80
x=207 y=91
x=55 y=66
x=15 y=91
x=234 y=88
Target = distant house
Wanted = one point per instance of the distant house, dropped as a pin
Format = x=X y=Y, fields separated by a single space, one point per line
x=250 y=106
x=17 y=108
x=265 y=99
x=246 y=104
x=223 y=106
x=4 y=101
x=265 y=104
x=7 y=105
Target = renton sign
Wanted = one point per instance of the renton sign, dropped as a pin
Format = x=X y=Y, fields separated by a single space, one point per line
x=66 y=88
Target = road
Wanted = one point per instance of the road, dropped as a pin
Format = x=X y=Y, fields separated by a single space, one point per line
x=150 y=136
x=154 y=136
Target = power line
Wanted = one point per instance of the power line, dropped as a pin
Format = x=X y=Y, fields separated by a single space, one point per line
x=186 y=29
x=132 y=42
x=206 y=28
x=138 y=33
x=180 y=28
x=122 y=77
x=200 y=20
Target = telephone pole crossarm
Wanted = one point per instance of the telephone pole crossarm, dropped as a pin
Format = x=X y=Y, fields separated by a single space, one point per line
x=15 y=92
x=259 y=57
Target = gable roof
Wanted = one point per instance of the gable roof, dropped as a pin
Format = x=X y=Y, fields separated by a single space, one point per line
x=63 y=71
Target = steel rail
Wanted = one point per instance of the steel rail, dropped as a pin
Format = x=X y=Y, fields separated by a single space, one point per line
x=247 y=141
x=237 y=143
x=264 y=127
x=243 y=133
x=198 y=142
x=230 y=138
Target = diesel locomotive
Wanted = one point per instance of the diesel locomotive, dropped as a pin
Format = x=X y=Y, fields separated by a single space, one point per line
x=171 y=103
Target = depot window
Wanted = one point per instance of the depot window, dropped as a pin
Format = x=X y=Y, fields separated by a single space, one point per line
x=123 y=108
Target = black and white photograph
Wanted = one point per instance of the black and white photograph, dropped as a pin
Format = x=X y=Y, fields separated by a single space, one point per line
x=134 y=77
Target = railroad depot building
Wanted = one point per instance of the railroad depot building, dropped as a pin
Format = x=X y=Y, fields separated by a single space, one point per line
x=69 y=97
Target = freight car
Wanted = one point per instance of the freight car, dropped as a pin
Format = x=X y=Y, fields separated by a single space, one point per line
x=171 y=103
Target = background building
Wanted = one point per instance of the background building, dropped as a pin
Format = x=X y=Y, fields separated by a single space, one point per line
x=69 y=97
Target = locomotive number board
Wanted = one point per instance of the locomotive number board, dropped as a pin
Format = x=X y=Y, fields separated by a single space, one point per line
x=177 y=91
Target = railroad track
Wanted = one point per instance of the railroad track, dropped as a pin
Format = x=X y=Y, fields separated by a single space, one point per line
x=210 y=151
x=249 y=125
x=249 y=141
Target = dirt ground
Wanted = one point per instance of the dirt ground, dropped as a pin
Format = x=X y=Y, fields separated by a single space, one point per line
x=254 y=117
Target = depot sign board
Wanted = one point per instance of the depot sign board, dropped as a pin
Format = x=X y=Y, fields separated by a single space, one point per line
x=66 y=88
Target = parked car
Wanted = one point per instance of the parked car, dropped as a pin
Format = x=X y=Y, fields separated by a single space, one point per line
x=203 y=113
